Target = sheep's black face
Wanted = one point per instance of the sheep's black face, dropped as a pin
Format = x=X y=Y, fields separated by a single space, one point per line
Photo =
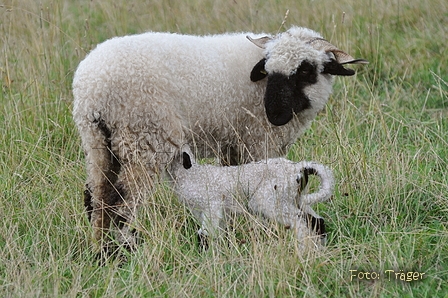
x=285 y=95
x=288 y=75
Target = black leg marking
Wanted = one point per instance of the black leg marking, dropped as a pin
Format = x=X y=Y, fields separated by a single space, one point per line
x=88 y=202
x=116 y=200
x=115 y=163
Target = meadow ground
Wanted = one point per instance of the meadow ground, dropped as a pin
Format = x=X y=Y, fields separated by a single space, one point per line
x=384 y=132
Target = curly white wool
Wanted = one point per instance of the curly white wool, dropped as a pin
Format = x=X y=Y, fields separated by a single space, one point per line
x=139 y=98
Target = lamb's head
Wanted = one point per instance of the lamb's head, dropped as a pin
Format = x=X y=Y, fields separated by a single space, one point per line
x=299 y=65
x=182 y=161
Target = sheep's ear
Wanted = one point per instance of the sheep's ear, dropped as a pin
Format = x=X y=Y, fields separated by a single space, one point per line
x=340 y=56
x=186 y=160
x=258 y=72
x=344 y=58
x=259 y=42
x=336 y=69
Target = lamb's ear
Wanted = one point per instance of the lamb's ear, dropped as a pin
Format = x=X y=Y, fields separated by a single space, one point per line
x=302 y=180
x=258 y=72
x=186 y=160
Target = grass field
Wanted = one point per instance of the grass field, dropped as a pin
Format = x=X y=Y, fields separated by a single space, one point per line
x=384 y=132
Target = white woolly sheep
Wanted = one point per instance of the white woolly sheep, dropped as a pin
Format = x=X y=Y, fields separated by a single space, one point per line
x=139 y=98
x=273 y=188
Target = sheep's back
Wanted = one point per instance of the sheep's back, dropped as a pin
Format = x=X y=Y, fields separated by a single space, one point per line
x=205 y=79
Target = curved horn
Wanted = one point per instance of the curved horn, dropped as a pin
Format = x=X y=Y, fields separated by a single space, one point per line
x=260 y=42
x=340 y=56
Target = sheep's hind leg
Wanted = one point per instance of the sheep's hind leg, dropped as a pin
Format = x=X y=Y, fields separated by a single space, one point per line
x=101 y=169
x=145 y=146
x=135 y=184
x=142 y=165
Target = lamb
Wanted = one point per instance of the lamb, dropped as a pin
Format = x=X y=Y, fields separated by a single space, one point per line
x=273 y=188
x=139 y=98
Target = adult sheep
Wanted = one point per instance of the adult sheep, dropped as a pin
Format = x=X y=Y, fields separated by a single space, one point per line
x=138 y=98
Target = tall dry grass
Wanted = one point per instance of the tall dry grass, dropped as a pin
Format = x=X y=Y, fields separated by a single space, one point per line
x=384 y=132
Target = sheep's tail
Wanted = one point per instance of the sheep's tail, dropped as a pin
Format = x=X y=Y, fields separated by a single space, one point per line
x=326 y=187
x=102 y=169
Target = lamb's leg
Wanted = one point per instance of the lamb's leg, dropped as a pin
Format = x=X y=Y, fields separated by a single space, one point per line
x=306 y=226
x=230 y=156
x=212 y=223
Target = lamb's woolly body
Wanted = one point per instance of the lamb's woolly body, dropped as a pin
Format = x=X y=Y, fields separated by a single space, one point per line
x=269 y=188
x=139 y=98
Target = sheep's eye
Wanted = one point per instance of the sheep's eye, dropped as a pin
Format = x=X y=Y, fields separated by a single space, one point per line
x=305 y=74
x=306 y=69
